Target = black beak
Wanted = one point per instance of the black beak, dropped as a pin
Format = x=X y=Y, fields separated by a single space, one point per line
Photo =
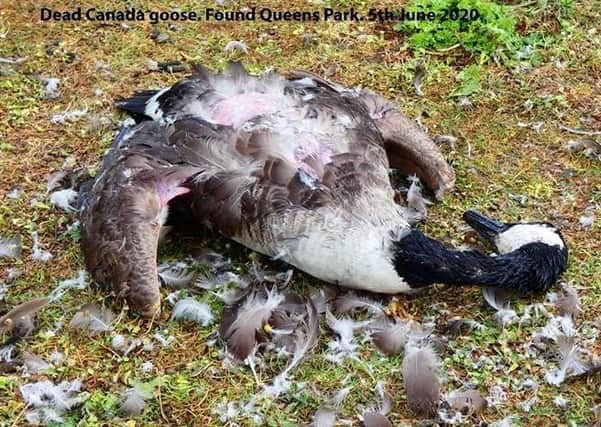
x=487 y=228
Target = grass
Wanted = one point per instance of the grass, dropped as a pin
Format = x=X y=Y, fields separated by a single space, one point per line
x=493 y=159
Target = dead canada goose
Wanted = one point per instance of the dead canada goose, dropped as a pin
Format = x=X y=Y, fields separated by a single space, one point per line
x=295 y=168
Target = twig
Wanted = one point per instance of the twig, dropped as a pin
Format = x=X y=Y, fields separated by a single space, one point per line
x=19 y=415
x=578 y=131
x=161 y=401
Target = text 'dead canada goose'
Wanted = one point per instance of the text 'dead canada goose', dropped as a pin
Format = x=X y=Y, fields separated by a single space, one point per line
x=294 y=168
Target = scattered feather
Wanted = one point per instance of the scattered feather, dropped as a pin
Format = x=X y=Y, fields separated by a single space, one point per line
x=560 y=401
x=420 y=376
x=33 y=363
x=57 y=398
x=446 y=139
x=69 y=116
x=64 y=199
x=505 y=422
x=190 y=309
x=324 y=417
x=152 y=64
x=391 y=337
x=38 y=254
x=457 y=326
x=305 y=337
x=280 y=385
x=55 y=180
x=498 y=299
x=164 y=341
x=236 y=45
x=50 y=87
x=344 y=344
x=119 y=342
x=147 y=366
x=65 y=285
x=468 y=402
x=375 y=419
x=176 y=276
x=240 y=324
x=420 y=73
x=93 y=318
x=415 y=199
x=133 y=401
x=11 y=247
x=570 y=363
x=586 y=221
x=568 y=302
x=13 y=274
x=56 y=357
x=351 y=301
x=14 y=194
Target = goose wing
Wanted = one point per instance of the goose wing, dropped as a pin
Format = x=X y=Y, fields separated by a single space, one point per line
x=123 y=211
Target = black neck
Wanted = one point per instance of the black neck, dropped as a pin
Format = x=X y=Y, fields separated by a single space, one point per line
x=422 y=261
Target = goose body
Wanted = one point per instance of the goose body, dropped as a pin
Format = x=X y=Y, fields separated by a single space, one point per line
x=295 y=168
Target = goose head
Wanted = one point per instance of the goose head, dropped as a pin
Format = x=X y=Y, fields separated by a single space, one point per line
x=539 y=245
x=531 y=257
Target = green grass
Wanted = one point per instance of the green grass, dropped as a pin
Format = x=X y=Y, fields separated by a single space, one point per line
x=493 y=157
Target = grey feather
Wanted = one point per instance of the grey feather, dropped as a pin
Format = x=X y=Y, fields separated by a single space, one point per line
x=324 y=417
x=391 y=337
x=375 y=419
x=190 y=309
x=495 y=297
x=420 y=73
x=420 y=377
x=11 y=247
x=351 y=301
x=568 y=302
x=93 y=318
x=33 y=363
x=176 y=275
x=468 y=402
x=133 y=401
x=240 y=324
x=305 y=337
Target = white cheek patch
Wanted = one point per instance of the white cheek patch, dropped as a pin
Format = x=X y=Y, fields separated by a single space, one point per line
x=523 y=234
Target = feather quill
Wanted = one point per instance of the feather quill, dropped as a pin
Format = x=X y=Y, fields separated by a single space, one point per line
x=240 y=324
x=190 y=309
x=11 y=247
x=420 y=376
